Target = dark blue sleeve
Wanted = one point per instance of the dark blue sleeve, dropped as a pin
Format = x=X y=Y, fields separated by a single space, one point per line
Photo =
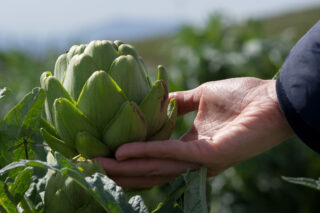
x=298 y=88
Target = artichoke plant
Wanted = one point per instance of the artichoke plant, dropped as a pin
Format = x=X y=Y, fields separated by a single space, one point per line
x=100 y=97
x=63 y=194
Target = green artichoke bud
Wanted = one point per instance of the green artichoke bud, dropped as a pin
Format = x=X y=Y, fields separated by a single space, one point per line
x=63 y=194
x=100 y=97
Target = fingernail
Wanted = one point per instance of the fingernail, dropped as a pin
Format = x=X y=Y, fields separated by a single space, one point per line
x=119 y=155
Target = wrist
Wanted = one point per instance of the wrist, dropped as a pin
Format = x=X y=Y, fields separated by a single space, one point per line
x=272 y=93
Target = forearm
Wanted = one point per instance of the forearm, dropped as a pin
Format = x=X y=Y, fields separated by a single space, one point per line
x=298 y=88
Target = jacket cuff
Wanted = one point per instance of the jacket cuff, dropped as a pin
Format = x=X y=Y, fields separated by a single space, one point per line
x=309 y=135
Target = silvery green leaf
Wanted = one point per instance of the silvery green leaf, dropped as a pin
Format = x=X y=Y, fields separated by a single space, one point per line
x=309 y=182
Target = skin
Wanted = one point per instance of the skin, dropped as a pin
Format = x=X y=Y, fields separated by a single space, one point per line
x=237 y=119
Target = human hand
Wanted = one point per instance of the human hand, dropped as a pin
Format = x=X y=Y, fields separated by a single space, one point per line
x=237 y=119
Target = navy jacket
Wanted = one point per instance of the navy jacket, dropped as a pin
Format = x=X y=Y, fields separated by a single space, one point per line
x=298 y=88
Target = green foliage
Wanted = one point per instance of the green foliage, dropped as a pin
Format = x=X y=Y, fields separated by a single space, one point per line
x=110 y=196
x=160 y=56
x=20 y=72
x=223 y=49
x=256 y=185
x=20 y=129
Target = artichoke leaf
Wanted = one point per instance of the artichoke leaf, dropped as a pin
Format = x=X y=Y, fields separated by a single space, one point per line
x=69 y=121
x=154 y=107
x=128 y=125
x=127 y=73
x=166 y=130
x=79 y=70
x=54 y=90
x=102 y=52
x=117 y=43
x=62 y=62
x=89 y=146
x=163 y=75
x=75 y=50
x=60 y=67
x=127 y=49
x=57 y=144
x=48 y=127
x=100 y=99
x=43 y=78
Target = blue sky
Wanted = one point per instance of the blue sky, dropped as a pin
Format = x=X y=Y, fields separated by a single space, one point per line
x=39 y=18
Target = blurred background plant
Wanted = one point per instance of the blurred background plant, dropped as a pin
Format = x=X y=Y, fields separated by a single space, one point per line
x=224 y=49
x=218 y=49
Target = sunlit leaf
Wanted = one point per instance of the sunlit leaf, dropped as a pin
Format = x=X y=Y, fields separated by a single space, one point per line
x=20 y=124
x=309 y=182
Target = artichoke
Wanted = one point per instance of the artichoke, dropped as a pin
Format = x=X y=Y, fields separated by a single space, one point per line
x=100 y=97
x=63 y=194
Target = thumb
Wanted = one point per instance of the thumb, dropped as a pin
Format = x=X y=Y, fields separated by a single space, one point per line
x=187 y=101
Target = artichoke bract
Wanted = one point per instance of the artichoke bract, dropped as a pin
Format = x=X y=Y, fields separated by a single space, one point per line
x=100 y=97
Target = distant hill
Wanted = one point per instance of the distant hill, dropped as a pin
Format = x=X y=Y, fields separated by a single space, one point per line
x=299 y=21
x=127 y=30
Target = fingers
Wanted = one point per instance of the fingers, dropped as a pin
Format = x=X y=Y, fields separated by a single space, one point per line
x=141 y=182
x=145 y=167
x=187 y=101
x=145 y=172
x=197 y=151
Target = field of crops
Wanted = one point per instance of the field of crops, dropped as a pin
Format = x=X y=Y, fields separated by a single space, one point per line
x=222 y=49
